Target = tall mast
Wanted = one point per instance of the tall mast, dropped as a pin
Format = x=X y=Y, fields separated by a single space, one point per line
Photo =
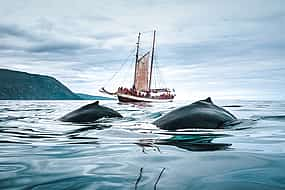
x=137 y=57
x=151 y=64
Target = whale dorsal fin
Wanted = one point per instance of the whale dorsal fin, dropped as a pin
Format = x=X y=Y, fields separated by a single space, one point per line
x=94 y=103
x=91 y=105
x=209 y=100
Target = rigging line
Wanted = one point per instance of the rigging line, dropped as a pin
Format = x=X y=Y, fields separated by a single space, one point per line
x=143 y=50
x=122 y=65
x=157 y=71
x=158 y=77
x=155 y=76
x=155 y=79
x=162 y=78
x=126 y=76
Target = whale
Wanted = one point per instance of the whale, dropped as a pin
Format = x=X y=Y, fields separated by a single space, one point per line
x=89 y=113
x=203 y=114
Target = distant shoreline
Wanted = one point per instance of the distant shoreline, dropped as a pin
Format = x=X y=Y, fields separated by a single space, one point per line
x=17 y=85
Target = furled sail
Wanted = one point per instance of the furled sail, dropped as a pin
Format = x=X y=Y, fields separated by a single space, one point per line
x=141 y=75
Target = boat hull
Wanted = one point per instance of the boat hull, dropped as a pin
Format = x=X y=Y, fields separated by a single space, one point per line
x=131 y=98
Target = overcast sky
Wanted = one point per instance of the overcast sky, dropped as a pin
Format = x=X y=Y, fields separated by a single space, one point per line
x=230 y=49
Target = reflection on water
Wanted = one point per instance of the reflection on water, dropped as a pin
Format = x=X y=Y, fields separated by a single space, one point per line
x=39 y=152
x=198 y=143
x=191 y=142
x=140 y=177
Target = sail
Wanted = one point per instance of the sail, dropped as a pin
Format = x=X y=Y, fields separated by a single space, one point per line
x=141 y=75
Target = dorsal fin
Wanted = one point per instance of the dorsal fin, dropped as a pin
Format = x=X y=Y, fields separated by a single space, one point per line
x=209 y=100
x=94 y=103
x=90 y=105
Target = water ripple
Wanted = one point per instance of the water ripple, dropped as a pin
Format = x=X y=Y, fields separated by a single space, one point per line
x=39 y=152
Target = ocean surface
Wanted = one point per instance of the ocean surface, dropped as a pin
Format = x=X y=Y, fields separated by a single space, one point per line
x=39 y=152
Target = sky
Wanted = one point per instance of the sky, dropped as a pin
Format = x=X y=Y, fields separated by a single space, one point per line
x=226 y=49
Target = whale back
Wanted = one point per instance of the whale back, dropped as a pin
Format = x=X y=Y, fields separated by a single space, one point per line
x=89 y=113
x=201 y=114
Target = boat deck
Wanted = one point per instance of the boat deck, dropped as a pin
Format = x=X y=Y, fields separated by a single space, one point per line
x=132 y=98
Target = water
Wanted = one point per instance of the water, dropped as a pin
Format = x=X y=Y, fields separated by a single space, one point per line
x=39 y=152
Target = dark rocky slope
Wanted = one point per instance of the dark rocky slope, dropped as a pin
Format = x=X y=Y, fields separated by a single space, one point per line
x=15 y=85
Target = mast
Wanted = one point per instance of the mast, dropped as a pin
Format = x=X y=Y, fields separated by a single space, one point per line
x=151 y=64
x=137 y=57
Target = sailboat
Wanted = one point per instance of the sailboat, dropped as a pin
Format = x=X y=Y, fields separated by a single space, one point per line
x=141 y=90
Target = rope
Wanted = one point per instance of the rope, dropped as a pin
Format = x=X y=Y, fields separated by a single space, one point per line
x=126 y=77
x=121 y=66
x=158 y=77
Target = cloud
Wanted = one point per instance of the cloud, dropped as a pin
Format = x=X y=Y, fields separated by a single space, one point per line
x=225 y=49
x=57 y=47
x=15 y=31
x=13 y=37
x=109 y=36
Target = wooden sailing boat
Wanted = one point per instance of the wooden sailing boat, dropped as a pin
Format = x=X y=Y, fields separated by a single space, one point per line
x=141 y=90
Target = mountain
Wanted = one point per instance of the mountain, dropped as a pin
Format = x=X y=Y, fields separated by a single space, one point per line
x=90 y=97
x=15 y=85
